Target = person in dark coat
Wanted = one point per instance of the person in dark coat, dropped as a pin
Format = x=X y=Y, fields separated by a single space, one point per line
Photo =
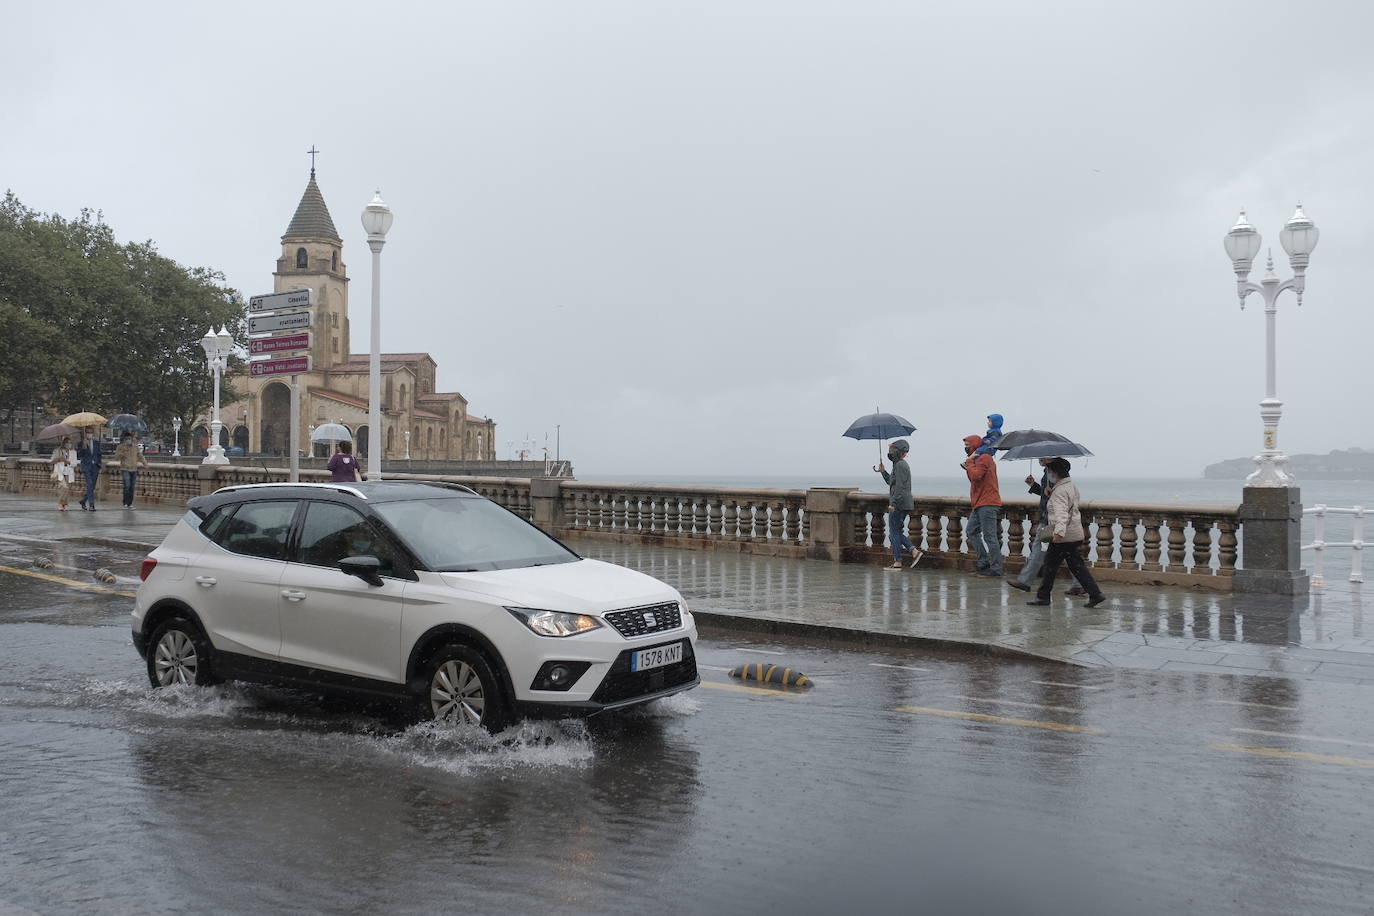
x=899 y=503
x=88 y=455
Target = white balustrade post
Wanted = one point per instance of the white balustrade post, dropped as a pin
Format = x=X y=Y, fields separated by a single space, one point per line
x=1319 y=546
x=1357 y=547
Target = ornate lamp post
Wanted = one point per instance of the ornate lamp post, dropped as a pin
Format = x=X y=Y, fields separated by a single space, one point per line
x=407 y=437
x=176 y=437
x=377 y=219
x=1299 y=238
x=217 y=348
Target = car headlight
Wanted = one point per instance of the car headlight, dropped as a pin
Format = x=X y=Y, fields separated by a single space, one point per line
x=554 y=623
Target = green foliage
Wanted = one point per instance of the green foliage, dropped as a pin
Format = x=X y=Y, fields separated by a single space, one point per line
x=87 y=323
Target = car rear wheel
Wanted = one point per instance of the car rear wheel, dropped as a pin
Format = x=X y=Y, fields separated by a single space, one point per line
x=179 y=653
x=462 y=689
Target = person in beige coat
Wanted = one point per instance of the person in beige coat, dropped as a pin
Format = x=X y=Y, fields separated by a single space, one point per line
x=1065 y=532
x=64 y=470
x=130 y=460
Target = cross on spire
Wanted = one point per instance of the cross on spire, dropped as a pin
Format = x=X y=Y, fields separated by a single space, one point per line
x=313 y=153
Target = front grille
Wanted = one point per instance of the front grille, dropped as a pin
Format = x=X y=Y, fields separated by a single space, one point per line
x=621 y=683
x=641 y=621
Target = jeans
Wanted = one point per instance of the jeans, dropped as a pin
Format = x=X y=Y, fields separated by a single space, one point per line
x=130 y=478
x=89 y=474
x=896 y=535
x=1070 y=553
x=1031 y=570
x=985 y=532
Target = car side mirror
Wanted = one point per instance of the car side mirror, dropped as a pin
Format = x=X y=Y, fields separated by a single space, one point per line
x=365 y=568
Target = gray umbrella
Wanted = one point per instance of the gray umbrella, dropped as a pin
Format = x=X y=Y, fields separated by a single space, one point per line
x=129 y=422
x=1064 y=449
x=1026 y=436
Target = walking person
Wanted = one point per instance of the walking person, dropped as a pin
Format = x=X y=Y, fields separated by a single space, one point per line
x=88 y=454
x=64 y=470
x=1030 y=572
x=899 y=503
x=130 y=460
x=343 y=467
x=985 y=504
x=1066 y=538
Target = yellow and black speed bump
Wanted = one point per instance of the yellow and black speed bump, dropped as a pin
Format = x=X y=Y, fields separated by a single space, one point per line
x=771 y=674
x=104 y=575
x=43 y=563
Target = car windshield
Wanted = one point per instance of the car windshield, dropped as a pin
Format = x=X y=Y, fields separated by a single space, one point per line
x=462 y=534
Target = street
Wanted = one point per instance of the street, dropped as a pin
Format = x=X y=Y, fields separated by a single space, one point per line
x=942 y=784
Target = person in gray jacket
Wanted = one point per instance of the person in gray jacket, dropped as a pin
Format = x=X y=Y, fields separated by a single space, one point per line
x=899 y=503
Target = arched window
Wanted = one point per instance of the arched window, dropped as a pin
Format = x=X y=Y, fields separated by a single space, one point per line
x=390 y=402
x=429 y=438
x=334 y=319
x=334 y=261
x=404 y=402
x=302 y=259
x=391 y=439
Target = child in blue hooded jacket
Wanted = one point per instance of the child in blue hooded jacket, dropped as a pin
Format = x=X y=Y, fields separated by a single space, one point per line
x=994 y=433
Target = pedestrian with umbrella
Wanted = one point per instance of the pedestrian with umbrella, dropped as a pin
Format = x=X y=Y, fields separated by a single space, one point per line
x=1024 y=443
x=881 y=426
x=63 y=470
x=88 y=453
x=130 y=460
x=1065 y=534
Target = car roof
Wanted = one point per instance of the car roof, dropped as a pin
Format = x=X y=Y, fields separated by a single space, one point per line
x=370 y=492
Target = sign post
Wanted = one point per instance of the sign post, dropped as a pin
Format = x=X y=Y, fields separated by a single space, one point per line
x=284 y=311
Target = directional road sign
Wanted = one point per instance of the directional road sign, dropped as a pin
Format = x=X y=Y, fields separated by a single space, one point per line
x=286 y=344
x=291 y=299
x=293 y=366
x=282 y=321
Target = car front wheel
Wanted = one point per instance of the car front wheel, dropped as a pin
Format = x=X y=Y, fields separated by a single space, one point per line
x=462 y=689
x=179 y=653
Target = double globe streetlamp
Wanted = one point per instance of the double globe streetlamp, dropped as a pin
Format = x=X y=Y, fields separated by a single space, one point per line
x=377 y=219
x=1298 y=238
x=217 y=348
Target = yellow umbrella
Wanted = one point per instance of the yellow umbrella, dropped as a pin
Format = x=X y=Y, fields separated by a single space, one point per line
x=86 y=418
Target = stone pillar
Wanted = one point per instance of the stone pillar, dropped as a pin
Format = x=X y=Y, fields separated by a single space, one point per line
x=546 y=503
x=208 y=476
x=829 y=523
x=14 y=475
x=1271 y=529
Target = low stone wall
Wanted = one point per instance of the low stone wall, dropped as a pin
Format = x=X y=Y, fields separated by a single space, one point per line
x=1159 y=543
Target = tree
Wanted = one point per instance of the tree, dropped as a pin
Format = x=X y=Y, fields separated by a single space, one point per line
x=88 y=323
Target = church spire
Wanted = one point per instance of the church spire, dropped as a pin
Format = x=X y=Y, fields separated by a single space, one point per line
x=312 y=219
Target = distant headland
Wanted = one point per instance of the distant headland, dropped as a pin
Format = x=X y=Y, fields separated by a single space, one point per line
x=1340 y=464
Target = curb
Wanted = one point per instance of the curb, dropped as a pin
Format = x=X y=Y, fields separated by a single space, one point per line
x=941 y=644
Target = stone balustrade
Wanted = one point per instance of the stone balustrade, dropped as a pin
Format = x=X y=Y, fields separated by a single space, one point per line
x=1163 y=543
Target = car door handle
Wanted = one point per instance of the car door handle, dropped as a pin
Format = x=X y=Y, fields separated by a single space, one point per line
x=205 y=581
x=290 y=594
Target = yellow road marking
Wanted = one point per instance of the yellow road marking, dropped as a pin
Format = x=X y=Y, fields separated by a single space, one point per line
x=996 y=702
x=1317 y=738
x=740 y=688
x=69 y=582
x=1360 y=762
x=998 y=720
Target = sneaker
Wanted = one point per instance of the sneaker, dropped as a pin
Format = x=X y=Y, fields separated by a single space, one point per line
x=895 y=566
x=1076 y=592
x=915 y=557
x=1039 y=602
x=83 y=504
x=1094 y=602
x=990 y=574
x=1018 y=584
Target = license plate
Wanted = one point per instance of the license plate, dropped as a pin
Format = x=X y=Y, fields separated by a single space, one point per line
x=656 y=657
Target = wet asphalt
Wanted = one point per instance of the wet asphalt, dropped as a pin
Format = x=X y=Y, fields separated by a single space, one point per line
x=942 y=784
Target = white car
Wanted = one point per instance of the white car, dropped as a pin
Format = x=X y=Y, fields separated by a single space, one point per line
x=423 y=592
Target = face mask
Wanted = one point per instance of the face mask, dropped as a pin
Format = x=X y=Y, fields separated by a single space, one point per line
x=1052 y=478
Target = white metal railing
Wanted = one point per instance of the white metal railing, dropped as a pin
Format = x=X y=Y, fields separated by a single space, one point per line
x=1320 y=543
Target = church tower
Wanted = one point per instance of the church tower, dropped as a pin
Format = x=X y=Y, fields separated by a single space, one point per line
x=312 y=258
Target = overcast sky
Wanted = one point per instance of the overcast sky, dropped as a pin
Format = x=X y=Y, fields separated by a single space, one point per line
x=705 y=237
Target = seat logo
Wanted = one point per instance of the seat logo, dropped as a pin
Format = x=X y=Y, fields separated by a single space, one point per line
x=649 y=619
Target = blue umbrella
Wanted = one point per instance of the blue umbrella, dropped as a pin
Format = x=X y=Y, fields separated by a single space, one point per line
x=880 y=426
x=129 y=422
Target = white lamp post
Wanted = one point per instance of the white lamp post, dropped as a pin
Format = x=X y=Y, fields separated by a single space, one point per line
x=1299 y=237
x=377 y=219
x=176 y=437
x=217 y=348
x=407 y=438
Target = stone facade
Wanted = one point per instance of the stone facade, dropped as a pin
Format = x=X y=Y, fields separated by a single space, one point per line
x=336 y=390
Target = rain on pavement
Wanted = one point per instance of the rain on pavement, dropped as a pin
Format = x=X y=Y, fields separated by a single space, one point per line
x=942 y=783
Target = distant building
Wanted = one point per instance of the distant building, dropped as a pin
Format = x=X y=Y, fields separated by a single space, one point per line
x=335 y=391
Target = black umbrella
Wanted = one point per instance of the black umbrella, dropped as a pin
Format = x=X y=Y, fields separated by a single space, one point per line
x=1026 y=436
x=128 y=422
x=1065 y=449
x=880 y=426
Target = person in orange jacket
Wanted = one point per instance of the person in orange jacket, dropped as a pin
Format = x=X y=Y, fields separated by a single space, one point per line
x=985 y=501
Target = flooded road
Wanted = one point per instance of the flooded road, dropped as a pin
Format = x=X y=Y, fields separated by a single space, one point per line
x=944 y=784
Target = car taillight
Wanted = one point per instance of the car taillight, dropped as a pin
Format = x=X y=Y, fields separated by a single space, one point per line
x=147 y=568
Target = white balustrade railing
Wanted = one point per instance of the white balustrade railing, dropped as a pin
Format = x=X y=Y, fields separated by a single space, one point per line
x=1320 y=544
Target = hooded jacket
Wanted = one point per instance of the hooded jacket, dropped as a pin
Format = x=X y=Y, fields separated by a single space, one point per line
x=989 y=440
x=1065 y=520
x=982 y=476
x=899 y=482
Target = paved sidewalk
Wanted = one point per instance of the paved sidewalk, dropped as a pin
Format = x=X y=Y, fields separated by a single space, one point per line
x=1140 y=627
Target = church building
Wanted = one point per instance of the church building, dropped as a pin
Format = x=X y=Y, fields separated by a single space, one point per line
x=439 y=425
